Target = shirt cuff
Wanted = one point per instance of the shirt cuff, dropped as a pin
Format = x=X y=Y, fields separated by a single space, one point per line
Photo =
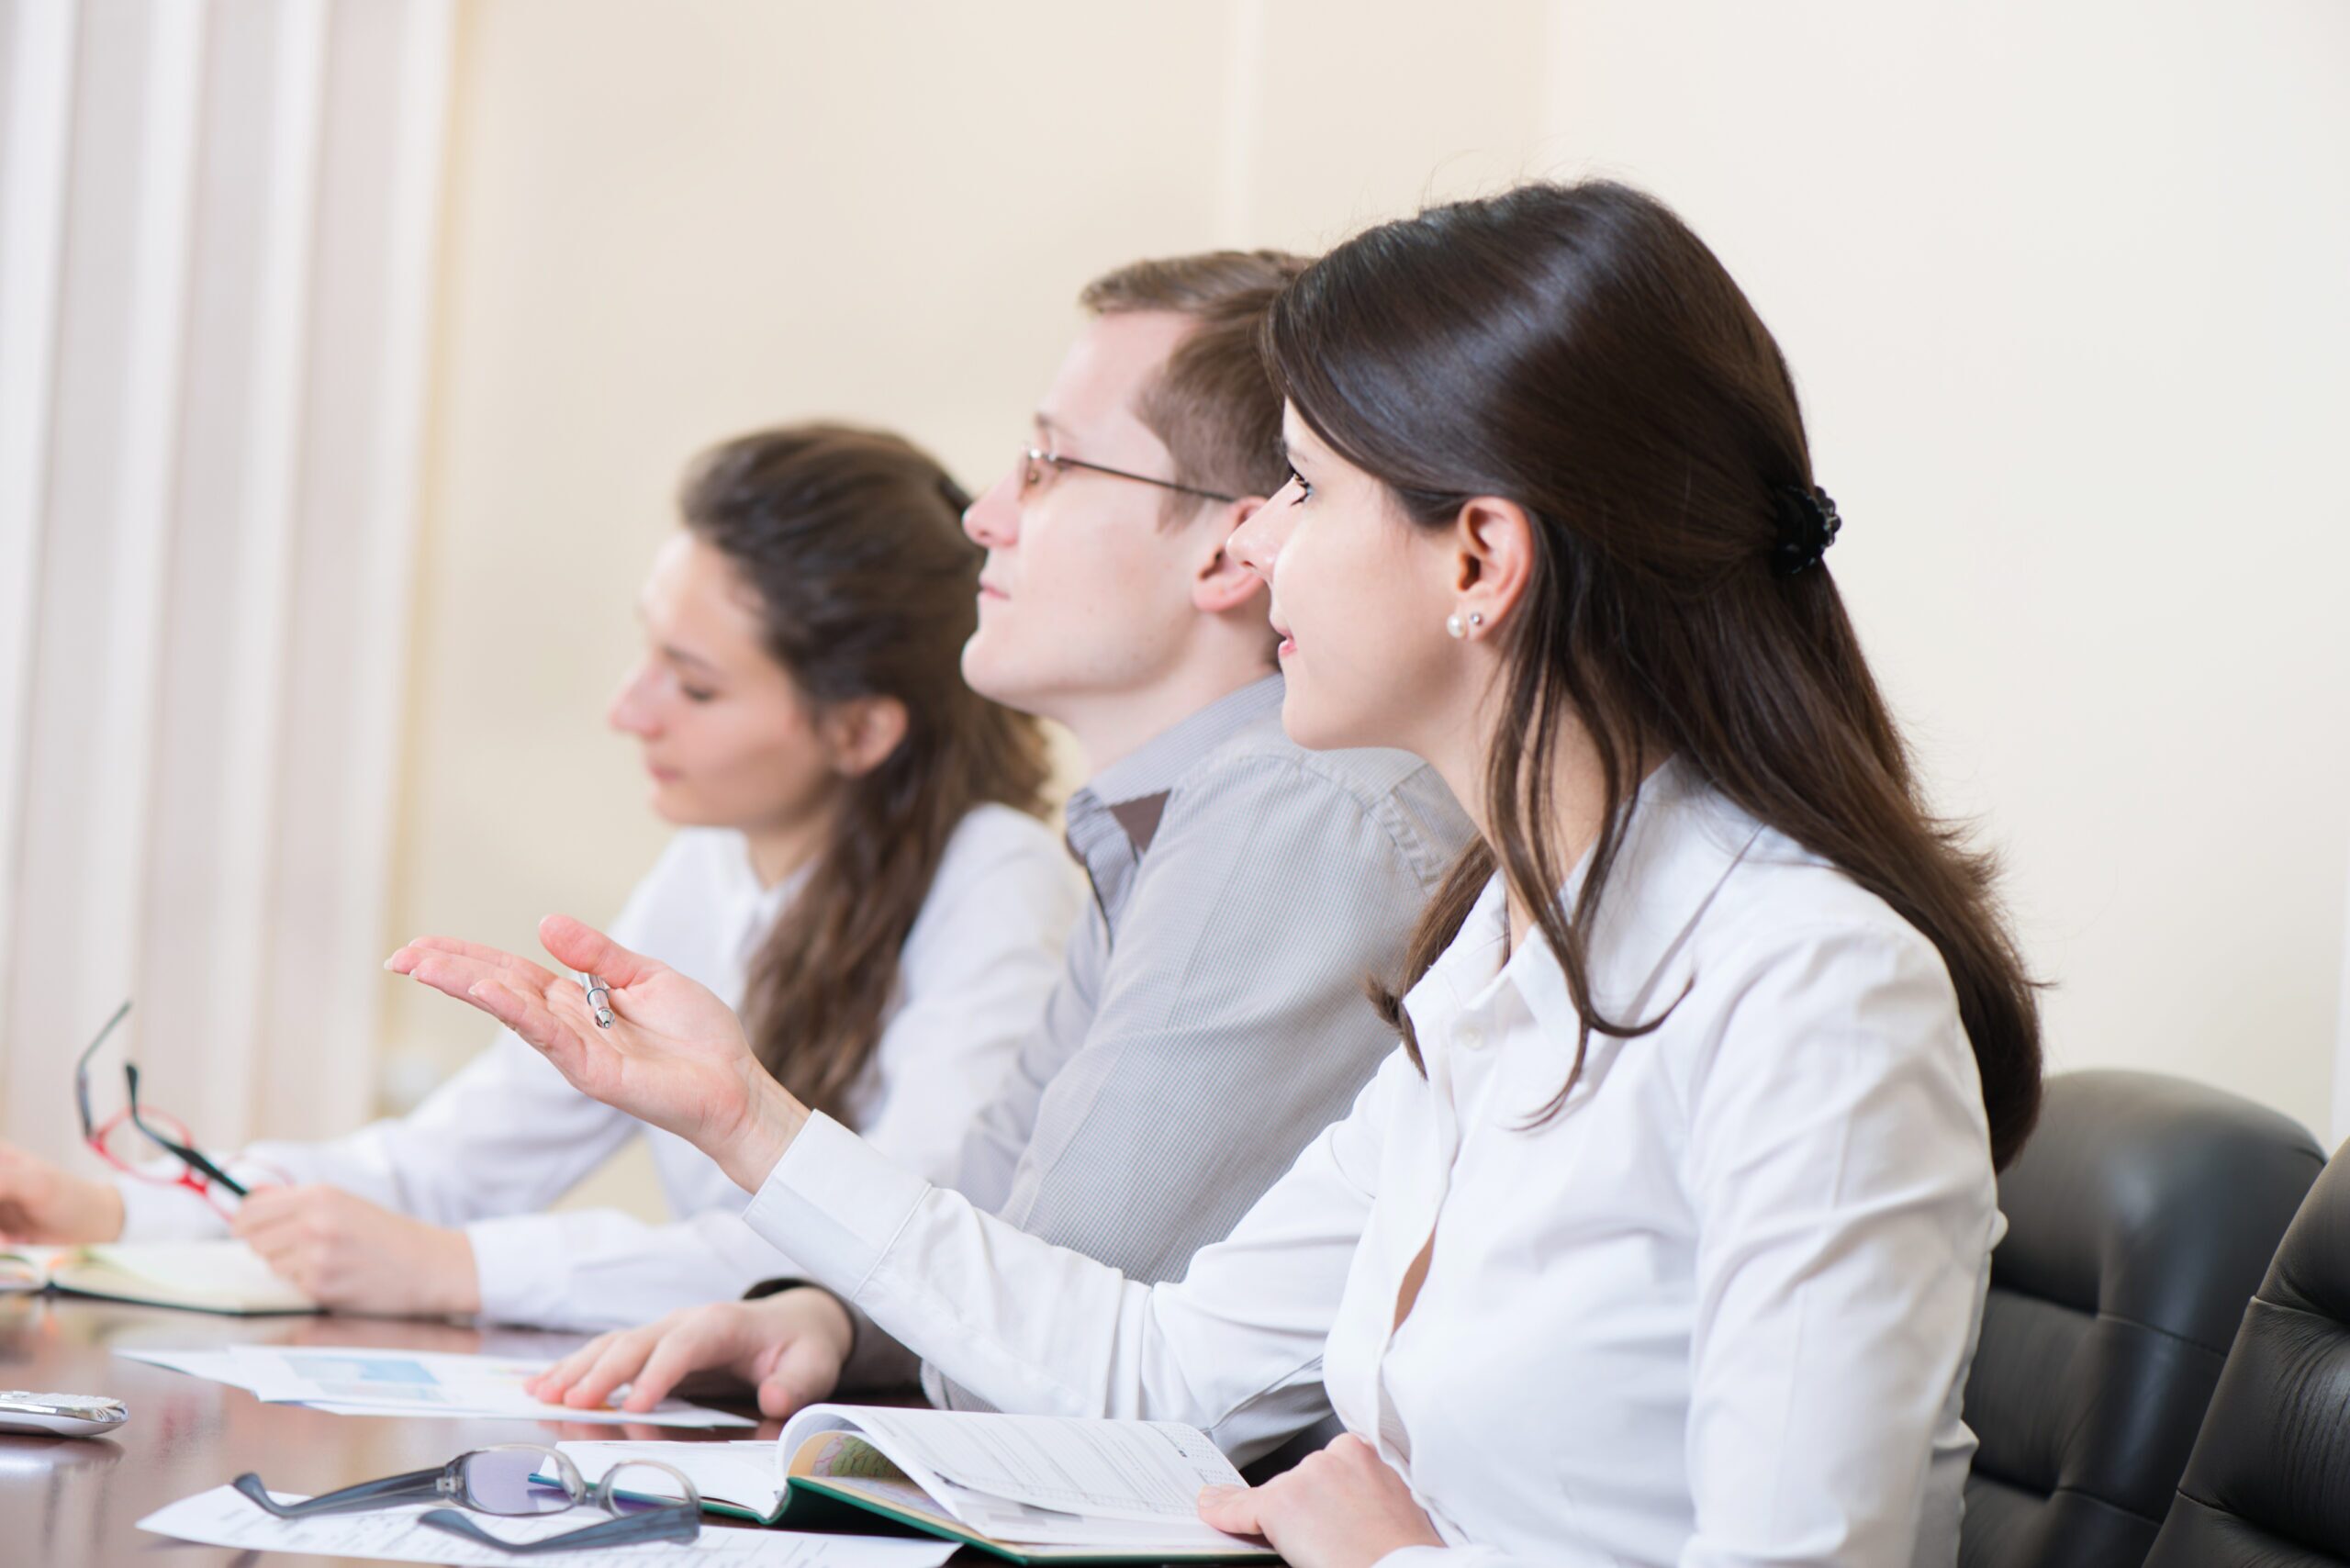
x=154 y=1211
x=520 y=1271
x=835 y=1204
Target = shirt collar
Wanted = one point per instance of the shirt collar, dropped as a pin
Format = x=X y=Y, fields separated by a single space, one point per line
x=757 y=908
x=1468 y=966
x=1152 y=767
x=1114 y=818
x=1680 y=845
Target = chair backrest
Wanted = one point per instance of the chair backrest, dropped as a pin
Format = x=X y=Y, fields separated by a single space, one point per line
x=2269 y=1483
x=2141 y=1216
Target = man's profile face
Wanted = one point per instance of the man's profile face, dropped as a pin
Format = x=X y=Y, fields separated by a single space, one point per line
x=1087 y=590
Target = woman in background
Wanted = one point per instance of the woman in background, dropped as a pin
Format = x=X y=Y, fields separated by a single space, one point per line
x=859 y=868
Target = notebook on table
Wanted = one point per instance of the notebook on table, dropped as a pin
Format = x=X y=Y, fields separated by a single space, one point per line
x=199 y=1276
x=1030 y=1488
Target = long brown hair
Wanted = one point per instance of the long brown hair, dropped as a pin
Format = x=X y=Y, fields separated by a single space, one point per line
x=1577 y=350
x=853 y=542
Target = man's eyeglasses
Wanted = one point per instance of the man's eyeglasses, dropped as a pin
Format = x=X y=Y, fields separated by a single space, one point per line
x=518 y=1481
x=198 y=1173
x=1035 y=463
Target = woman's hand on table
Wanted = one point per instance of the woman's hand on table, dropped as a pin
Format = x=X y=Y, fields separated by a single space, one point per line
x=790 y=1347
x=46 y=1203
x=343 y=1251
x=675 y=1055
x=1344 y=1507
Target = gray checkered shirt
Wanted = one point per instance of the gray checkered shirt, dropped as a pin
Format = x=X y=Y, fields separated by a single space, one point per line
x=1210 y=1019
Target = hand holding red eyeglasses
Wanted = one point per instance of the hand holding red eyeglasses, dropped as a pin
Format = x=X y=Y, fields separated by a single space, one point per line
x=146 y=1131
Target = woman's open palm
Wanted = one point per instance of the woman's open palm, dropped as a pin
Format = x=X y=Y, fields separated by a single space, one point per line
x=675 y=1055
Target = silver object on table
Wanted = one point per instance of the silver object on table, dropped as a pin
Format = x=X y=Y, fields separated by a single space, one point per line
x=62 y=1414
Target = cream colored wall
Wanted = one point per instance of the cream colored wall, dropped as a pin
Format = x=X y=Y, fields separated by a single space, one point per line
x=2062 y=292
x=2062 y=286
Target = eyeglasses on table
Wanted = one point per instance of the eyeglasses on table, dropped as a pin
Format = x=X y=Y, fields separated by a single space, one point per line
x=518 y=1481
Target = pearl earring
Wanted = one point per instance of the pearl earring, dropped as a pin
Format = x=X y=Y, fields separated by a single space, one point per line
x=1460 y=628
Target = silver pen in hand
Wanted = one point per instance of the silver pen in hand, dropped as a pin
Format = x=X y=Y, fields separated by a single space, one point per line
x=597 y=993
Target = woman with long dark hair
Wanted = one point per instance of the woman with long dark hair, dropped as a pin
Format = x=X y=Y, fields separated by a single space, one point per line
x=860 y=867
x=1663 y=1237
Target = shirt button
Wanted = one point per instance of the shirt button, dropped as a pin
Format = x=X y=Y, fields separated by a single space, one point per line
x=1468 y=1037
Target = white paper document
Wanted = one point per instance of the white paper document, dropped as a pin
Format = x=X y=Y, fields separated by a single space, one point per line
x=1045 y=1480
x=359 y=1382
x=1120 y=1489
x=1106 y=1470
x=223 y=1516
x=213 y=1365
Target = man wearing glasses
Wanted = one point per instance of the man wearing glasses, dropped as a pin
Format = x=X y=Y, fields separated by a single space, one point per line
x=1210 y=1018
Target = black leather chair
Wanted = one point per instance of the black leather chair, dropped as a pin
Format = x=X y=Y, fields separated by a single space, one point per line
x=2269 y=1483
x=2141 y=1217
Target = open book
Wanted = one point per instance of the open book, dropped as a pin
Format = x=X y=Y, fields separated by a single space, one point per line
x=1032 y=1488
x=202 y=1276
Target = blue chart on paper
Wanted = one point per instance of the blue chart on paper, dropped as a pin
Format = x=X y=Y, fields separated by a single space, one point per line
x=375 y=1380
x=376 y=1369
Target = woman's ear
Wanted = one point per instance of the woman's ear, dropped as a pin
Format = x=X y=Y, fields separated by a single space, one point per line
x=1493 y=548
x=1221 y=582
x=861 y=733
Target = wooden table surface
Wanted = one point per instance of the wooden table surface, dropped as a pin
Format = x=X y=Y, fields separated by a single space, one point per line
x=65 y=1502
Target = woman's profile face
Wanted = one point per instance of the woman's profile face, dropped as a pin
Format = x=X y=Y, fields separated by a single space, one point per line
x=727 y=738
x=1359 y=596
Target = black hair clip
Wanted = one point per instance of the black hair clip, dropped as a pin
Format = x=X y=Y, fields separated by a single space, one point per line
x=1808 y=526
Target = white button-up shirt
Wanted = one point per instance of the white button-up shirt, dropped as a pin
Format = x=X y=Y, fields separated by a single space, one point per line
x=505 y=1135
x=1717 y=1312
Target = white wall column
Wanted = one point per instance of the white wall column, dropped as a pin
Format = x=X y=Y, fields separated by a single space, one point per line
x=217 y=238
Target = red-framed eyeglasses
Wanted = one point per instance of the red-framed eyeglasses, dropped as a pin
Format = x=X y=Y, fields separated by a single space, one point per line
x=197 y=1173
